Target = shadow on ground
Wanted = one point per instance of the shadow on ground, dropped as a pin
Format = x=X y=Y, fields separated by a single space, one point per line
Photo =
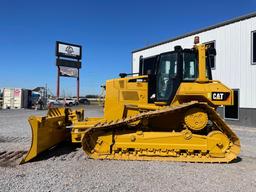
x=237 y=160
x=60 y=151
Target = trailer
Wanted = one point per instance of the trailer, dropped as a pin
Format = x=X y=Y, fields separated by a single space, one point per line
x=16 y=98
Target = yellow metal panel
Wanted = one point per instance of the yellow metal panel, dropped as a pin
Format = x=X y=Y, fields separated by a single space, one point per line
x=189 y=91
x=135 y=92
x=130 y=95
x=201 y=64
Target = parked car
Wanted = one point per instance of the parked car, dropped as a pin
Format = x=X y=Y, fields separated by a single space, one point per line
x=84 y=101
x=67 y=101
x=53 y=102
x=71 y=102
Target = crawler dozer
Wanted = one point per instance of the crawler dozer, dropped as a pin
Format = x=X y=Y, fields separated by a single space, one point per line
x=167 y=112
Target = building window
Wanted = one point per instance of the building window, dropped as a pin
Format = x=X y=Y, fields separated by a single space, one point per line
x=232 y=112
x=253 y=47
x=211 y=61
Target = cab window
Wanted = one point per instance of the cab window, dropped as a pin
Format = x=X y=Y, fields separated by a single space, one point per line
x=167 y=71
x=190 y=67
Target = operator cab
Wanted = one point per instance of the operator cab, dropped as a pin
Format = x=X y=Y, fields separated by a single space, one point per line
x=167 y=70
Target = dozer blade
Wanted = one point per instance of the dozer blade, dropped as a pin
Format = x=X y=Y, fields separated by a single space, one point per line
x=47 y=131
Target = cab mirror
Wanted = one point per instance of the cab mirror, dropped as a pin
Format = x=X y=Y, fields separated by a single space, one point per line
x=211 y=51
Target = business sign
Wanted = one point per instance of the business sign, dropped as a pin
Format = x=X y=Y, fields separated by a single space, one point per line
x=68 y=50
x=68 y=63
x=68 y=71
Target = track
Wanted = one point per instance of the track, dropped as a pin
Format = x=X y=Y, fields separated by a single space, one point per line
x=62 y=152
x=91 y=137
x=11 y=139
x=11 y=158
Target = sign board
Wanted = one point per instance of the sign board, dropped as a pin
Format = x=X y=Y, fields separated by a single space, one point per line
x=68 y=71
x=68 y=50
x=68 y=63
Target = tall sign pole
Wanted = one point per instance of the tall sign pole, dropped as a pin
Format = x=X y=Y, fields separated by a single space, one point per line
x=78 y=86
x=68 y=67
x=58 y=82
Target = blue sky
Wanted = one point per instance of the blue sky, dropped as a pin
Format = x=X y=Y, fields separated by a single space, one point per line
x=107 y=30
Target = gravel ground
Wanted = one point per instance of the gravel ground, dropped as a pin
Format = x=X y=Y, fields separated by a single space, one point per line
x=67 y=169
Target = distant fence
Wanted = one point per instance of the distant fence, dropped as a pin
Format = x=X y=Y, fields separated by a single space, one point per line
x=95 y=99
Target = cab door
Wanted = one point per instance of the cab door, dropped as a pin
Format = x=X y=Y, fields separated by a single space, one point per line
x=168 y=76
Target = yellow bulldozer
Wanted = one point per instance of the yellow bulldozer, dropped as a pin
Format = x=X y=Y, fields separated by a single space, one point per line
x=167 y=112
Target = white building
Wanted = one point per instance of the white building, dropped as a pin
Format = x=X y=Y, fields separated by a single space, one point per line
x=235 y=62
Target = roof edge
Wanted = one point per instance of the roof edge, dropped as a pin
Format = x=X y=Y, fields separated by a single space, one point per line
x=227 y=22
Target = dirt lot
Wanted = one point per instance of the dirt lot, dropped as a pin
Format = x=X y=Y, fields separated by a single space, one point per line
x=67 y=169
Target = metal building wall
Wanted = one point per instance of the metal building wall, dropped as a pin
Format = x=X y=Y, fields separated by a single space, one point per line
x=233 y=60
